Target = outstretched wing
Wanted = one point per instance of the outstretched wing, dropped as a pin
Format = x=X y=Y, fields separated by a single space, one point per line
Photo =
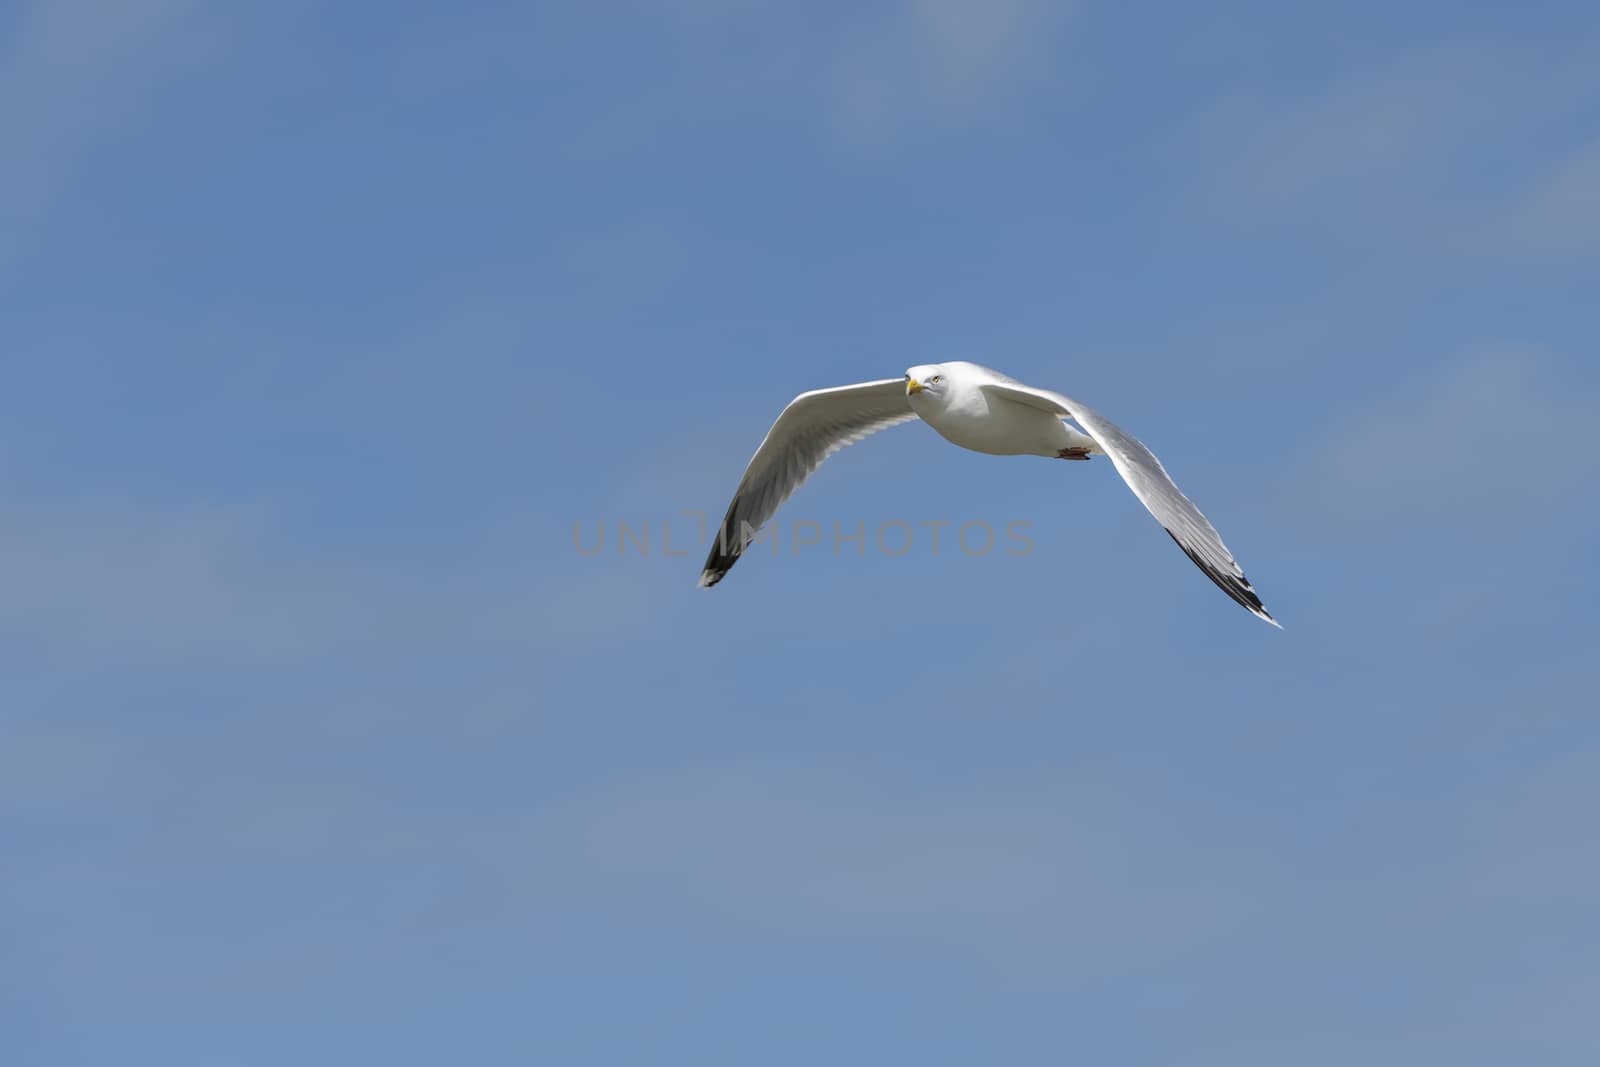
x=1153 y=486
x=813 y=427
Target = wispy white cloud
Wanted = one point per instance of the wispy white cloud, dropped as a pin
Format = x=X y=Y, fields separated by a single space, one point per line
x=1468 y=149
x=939 y=60
x=1371 y=144
x=70 y=65
x=801 y=847
x=1495 y=435
x=101 y=571
x=1554 y=216
x=169 y=579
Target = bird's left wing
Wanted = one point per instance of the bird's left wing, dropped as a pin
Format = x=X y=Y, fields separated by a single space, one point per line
x=1153 y=486
x=813 y=427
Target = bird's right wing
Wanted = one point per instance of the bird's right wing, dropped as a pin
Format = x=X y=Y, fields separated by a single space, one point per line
x=813 y=427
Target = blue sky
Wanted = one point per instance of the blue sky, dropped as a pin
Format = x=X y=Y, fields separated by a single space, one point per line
x=323 y=327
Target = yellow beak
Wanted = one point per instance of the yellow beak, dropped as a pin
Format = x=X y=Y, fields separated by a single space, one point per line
x=913 y=386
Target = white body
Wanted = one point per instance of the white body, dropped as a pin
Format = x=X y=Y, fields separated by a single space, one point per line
x=966 y=415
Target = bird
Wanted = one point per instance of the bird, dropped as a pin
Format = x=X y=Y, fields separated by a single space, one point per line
x=976 y=408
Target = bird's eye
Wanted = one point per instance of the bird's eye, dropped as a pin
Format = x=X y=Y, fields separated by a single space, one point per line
x=936 y=379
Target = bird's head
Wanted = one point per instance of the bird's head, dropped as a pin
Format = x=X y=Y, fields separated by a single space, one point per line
x=927 y=383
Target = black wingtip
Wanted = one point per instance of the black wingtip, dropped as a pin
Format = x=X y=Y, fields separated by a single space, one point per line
x=1237 y=587
x=720 y=561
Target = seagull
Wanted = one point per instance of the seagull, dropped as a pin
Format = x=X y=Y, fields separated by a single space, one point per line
x=978 y=409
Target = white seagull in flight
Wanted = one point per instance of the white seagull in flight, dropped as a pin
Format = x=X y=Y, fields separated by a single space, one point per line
x=979 y=409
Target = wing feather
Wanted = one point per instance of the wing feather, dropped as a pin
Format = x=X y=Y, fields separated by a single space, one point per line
x=813 y=427
x=1154 y=487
